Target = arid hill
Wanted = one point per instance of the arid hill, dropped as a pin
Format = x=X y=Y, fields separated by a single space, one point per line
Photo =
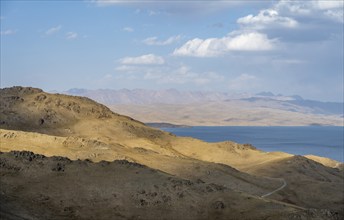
x=80 y=129
x=38 y=187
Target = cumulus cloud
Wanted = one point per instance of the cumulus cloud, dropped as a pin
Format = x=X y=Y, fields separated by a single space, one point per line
x=318 y=9
x=53 y=30
x=128 y=29
x=266 y=19
x=293 y=20
x=155 y=41
x=294 y=7
x=71 y=35
x=147 y=59
x=235 y=41
x=285 y=12
x=8 y=32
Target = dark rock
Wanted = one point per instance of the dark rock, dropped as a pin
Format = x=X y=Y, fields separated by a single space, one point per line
x=28 y=155
x=130 y=164
x=143 y=202
x=59 y=167
x=219 y=205
x=40 y=97
x=199 y=181
x=41 y=121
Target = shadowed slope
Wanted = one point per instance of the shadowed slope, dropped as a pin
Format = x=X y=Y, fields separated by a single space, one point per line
x=37 y=187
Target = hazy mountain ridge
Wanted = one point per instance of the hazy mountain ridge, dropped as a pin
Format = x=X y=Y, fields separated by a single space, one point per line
x=215 y=108
x=144 y=96
x=173 y=96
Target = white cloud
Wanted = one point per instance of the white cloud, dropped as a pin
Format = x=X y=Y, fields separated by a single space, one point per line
x=253 y=41
x=128 y=29
x=155 y=41
x=53 y=30
x=266 y=19
x=235 y=41
x=201 y=48
x=297 y=20
x=293 y=7
x=318 y=9
x=8 y=32
x=281 y=13
x=333 y=10
x=147 y=59
x=71 y=35
x=328 y=4
x=243 y=82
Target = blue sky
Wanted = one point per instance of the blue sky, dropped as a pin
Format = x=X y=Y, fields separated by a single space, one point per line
x=288 y=47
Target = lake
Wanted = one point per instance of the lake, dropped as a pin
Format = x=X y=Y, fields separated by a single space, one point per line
x=324 y=141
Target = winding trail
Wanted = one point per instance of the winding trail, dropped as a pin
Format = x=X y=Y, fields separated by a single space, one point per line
x=276 y=190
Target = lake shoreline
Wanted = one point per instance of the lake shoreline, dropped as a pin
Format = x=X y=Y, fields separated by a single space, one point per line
x=323 y=141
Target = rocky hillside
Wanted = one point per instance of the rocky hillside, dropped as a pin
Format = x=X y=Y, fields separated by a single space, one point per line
x=58 y=188
x=81 y=129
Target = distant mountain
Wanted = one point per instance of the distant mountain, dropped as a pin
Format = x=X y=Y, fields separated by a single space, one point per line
x=168 y=96
x=297 y=97
x=77 y=91
x=265 y=94
x=143 y=96
x=266 y=100
x=320 y=107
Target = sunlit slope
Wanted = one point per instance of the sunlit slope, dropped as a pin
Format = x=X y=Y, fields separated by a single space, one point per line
x=79 y=128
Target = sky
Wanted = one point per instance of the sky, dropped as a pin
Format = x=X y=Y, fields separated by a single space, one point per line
x=286 y=47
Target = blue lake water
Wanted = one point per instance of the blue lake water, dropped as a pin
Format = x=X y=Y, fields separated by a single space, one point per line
x=325 y=141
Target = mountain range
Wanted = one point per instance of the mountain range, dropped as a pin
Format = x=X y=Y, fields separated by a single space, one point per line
x=199 y=107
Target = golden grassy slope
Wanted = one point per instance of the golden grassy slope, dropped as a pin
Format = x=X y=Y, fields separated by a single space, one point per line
x=79 y=128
